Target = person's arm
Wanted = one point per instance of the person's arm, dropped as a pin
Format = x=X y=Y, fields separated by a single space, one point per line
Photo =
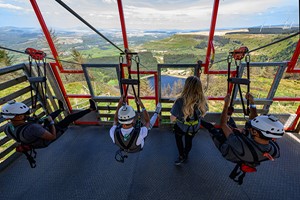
x=253 y=111
x=226 y=129
x=145 y=113
x=117 y=110
x=172 y=118
x=175 y=111
x=51 y=134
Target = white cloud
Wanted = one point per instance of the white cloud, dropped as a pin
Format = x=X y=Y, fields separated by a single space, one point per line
x=157 y=14
x=109 y=1
x=10 y=6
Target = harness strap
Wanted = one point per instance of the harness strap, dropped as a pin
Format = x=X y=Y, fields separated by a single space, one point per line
x=136 y=130
x=30 y=156
x=238 y=55
x=23 y=147
x=191 y=123
x=251 y=148
x=119 y=156
x=39 y=82
x=239 y=172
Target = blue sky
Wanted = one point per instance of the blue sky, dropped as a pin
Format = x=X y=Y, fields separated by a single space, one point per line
x=152 y=14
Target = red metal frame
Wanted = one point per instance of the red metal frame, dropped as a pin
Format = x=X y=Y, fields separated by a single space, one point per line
x=293 y=127
x=211 y=36
x=290 y=69
x=122 y=20
x=61 y=85
x=292 y=63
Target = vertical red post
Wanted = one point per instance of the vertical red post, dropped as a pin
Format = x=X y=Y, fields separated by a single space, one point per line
x=122 y=20
x=61 y=85
x=46 y=32
x=293 y=126
x=294 y=59
x=125 y=41
x=211 y=35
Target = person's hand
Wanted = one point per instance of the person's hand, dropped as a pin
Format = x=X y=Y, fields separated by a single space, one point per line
x=122 y=99
x=49 y=119
x=139 y=102
x=227 y=99
x=250 y=98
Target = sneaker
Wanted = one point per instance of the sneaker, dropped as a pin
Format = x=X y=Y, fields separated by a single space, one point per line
x=61 y=105
x=93 y=105
x=180 y=160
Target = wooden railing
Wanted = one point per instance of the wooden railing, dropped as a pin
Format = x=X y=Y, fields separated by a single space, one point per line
x=14 y=85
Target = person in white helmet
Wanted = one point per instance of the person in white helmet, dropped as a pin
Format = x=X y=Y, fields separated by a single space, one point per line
x=126 y=132
x=35 y=134
x=254 y=144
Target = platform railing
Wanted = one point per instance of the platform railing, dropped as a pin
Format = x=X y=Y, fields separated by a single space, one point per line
x=14 y=85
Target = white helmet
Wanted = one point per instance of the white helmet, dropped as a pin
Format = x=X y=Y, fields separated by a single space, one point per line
x=126 y=114
x=13 y=108
x=268 y=125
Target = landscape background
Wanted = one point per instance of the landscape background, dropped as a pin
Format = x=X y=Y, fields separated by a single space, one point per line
x=162 y=46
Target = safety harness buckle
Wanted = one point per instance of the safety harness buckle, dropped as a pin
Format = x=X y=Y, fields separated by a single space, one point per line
x=239 y=172
x=29 y=152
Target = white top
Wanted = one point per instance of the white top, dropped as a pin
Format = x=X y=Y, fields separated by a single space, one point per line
x=140 y=139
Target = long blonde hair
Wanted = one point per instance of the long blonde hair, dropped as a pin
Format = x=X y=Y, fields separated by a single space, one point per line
x=192 y=95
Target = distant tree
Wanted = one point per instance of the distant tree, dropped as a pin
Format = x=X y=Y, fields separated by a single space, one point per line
x=177 y=88
x=77 y=56
x=55 y=40
x=166 y=91
x=5 y=59
x=201 y=45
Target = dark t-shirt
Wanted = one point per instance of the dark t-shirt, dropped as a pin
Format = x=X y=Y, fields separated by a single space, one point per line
x=177 y=112
x=31 y=134
x=235 y=149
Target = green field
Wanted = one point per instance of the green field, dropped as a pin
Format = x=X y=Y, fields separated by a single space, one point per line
x=189 y=48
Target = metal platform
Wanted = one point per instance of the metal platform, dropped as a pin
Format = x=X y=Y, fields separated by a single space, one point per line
x=81 y=165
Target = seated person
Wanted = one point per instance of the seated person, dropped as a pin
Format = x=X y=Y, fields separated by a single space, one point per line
x=251 y=146
x=28 y=132
x=126 y=132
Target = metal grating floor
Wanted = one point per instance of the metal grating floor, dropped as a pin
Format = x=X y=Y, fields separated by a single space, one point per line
x=81 y=165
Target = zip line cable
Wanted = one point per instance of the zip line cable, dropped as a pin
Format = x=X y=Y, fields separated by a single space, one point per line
x=86 y=23
x=16 y=51
x=275 y=42
x=90 y=26
x=280 y=40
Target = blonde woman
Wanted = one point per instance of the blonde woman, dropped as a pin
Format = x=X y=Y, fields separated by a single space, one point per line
x=186 y=113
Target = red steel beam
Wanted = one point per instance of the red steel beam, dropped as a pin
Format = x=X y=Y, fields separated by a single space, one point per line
x=61 y=85
x=286 y=99
x=122 y=20
x=46 y=32
x=294 y=59
x=211 y=35
x=49 y=39
x=293 y=127
x=82 y=96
